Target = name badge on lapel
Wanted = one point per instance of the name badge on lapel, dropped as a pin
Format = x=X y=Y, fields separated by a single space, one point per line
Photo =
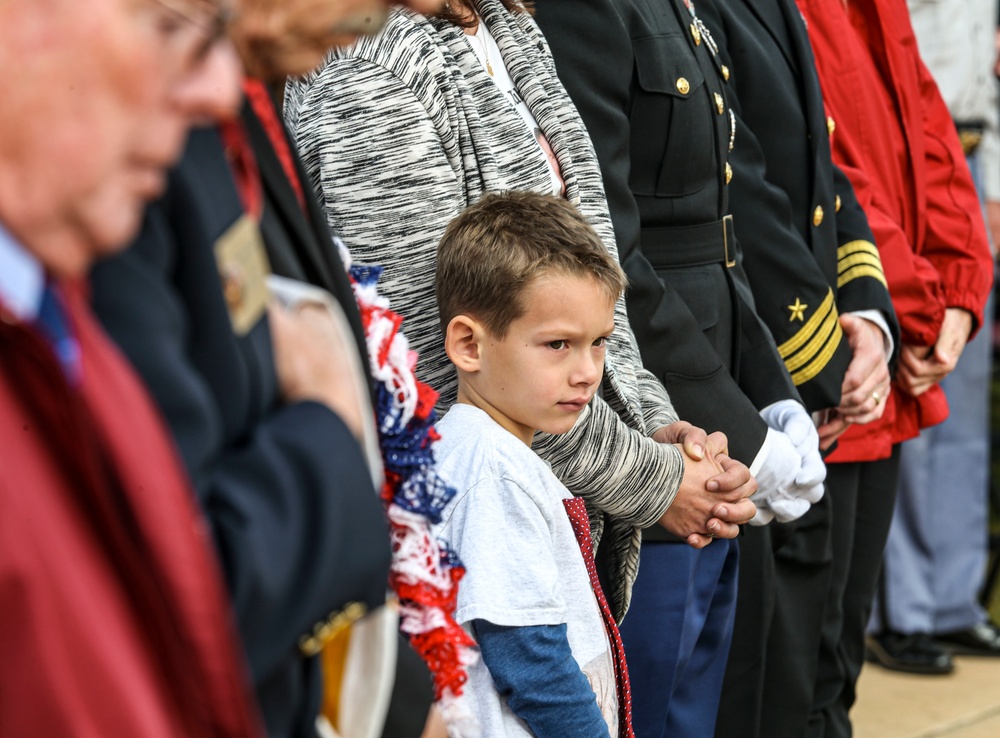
x=243 y=269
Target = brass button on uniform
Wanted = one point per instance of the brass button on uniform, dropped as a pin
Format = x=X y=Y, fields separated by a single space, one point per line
x=725 y=72
x=695 y=34
x=720 y=104
x=729 y=172
x=682 y=86
x=831 y=125
x=837 y=203
x=818 y=215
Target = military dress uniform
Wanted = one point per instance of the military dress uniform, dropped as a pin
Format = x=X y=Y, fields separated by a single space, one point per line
x=654 y=101
x=810 y=256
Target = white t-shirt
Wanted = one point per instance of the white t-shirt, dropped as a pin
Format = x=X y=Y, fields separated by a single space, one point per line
x=523 y=563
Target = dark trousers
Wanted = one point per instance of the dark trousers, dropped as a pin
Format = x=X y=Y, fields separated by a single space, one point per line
x=743 y=685
x=784 y=578
x=863 y=497
x=677 y=635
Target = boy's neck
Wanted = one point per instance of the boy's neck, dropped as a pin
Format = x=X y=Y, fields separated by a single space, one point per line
x=467 y=395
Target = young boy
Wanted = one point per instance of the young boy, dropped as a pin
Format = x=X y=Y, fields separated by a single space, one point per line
x=526 y=294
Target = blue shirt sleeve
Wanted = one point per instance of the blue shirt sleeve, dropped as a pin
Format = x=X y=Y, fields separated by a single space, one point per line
x=534 y=670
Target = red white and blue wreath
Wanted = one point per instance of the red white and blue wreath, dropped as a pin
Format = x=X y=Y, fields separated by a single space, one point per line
x=424 y=572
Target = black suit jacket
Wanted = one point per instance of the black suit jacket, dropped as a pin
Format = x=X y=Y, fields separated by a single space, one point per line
x=654 y=102
x=297 y=524
x=801 y=226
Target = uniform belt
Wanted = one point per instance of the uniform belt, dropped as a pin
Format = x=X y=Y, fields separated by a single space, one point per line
x=970 y=133
x=695 y=245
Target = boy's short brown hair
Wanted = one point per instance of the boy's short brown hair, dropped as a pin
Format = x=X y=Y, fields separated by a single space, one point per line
x=493 y=250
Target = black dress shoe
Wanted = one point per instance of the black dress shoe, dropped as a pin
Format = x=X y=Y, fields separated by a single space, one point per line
x=914 y=654
x=979 y=640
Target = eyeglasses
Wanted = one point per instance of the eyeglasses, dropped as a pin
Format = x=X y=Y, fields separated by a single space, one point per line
x=193 y=27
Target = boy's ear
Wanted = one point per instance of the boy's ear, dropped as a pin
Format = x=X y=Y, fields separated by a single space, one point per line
x=462 y=342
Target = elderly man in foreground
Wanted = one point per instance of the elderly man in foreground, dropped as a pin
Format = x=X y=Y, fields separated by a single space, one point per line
x=114 y=615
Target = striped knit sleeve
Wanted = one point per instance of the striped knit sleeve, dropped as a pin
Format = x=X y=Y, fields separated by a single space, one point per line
x=613 y=467
x=657 y=409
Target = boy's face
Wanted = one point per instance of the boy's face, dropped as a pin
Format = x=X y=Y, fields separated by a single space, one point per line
x=546 y=369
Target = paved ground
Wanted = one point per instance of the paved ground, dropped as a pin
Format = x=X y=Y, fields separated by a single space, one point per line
x=965 y=704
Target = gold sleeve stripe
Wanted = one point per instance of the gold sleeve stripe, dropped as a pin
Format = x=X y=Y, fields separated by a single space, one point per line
x=810 y=327
x=856 y=247
x=819 y=339
x=820 y=362
x=862 y=270
x=860 y=258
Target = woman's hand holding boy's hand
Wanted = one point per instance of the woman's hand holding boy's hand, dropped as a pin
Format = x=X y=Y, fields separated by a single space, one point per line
x=713 y=499
x=693 y=438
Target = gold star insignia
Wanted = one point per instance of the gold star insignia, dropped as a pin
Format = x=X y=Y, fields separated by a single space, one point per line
x=798 y=310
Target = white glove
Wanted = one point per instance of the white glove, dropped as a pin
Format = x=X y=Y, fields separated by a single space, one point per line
x=776 y=468
x=786 y=509
x=789 y=417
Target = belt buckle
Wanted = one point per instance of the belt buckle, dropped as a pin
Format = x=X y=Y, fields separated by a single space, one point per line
x=727 y=225
x=970 y=140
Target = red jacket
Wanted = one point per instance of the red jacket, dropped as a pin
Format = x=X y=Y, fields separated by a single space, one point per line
x=113 y=614
x=911 y=178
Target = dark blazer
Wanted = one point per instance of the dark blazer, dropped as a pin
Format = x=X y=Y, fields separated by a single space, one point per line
x=654 y=102
x=801 y=226
x=299 y=246
x=297 y=524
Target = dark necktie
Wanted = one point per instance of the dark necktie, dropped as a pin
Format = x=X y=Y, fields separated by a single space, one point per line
x=577 y=512
x=54 y=325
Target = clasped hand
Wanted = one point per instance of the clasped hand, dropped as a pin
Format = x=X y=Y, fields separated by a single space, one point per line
x=714 y=497
x=866 y=382
x=790 y=469
x=921 y=367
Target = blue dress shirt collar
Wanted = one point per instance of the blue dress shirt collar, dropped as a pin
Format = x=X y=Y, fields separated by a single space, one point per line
x=22 y=278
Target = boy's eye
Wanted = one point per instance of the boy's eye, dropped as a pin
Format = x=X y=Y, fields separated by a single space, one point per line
x=601 y=342
x=557 y=345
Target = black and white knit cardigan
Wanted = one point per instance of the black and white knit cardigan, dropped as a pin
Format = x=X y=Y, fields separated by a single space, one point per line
x=404 y=130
